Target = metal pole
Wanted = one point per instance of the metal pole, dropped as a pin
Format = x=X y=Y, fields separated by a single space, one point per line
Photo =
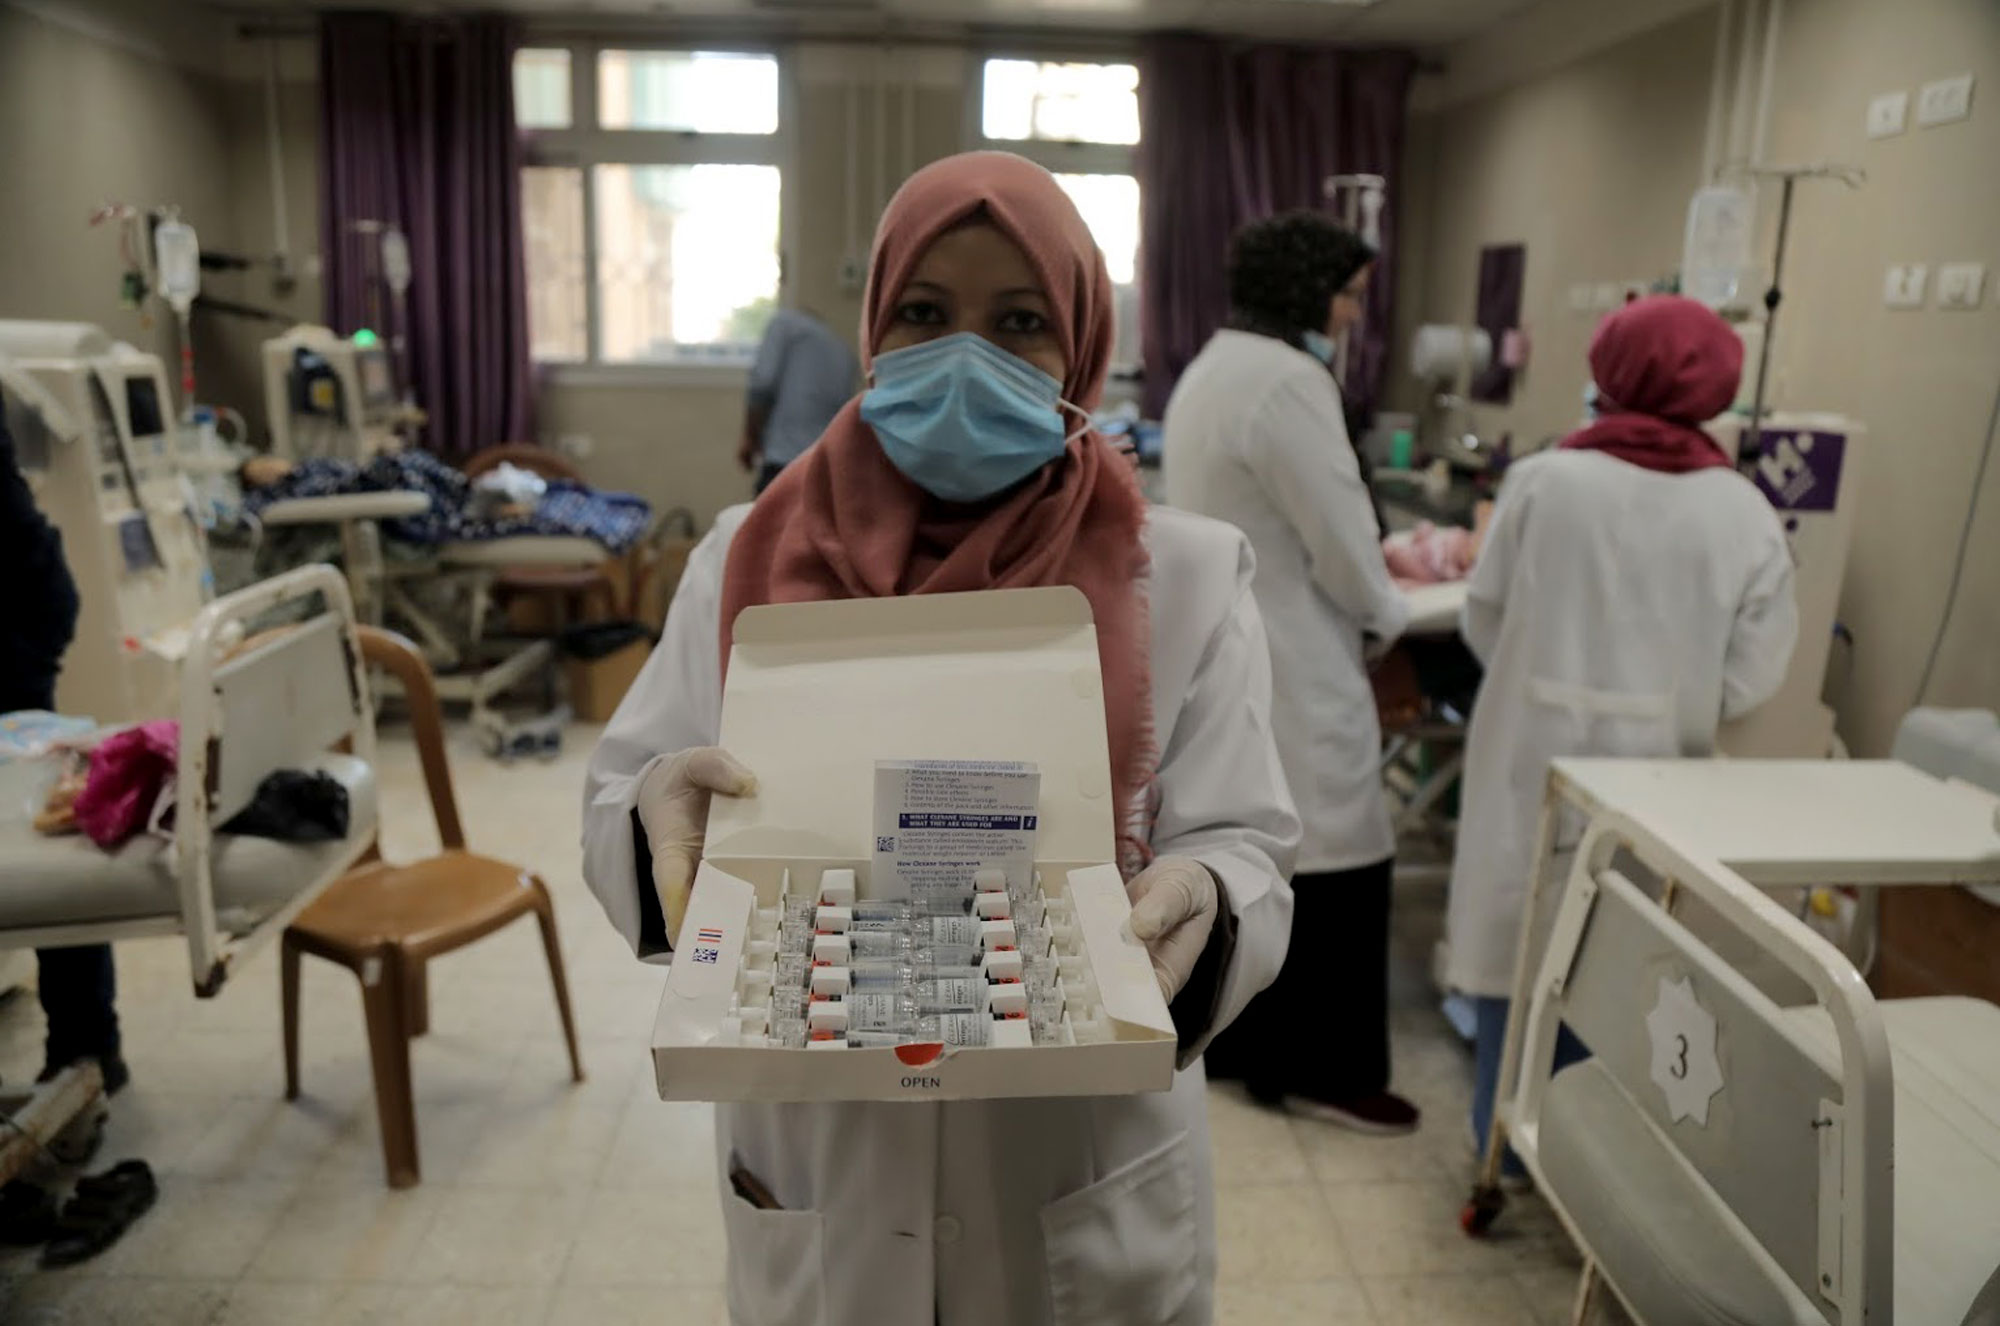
x=1753 y=440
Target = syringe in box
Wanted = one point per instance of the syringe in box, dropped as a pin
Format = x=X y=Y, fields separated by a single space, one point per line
x=981 y=965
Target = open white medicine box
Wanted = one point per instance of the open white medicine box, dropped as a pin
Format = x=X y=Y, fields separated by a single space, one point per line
x=817 y=694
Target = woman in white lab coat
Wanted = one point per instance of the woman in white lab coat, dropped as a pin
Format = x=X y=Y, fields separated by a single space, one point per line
x=1255 y=436
x=1633 y=593
x=988 y=322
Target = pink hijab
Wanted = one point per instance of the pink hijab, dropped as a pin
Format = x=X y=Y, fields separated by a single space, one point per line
x=843 y=522
x=1663 y=365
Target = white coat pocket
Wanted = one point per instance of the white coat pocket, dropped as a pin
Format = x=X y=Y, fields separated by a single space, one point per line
x=1122 y=1252
x=775 y=1275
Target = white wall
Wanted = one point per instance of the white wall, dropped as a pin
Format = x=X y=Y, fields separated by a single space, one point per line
x=83 y=122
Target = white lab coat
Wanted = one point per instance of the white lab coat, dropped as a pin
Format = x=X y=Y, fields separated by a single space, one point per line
x=1018 y=1212
x=1254 y=436
x=1619 y=612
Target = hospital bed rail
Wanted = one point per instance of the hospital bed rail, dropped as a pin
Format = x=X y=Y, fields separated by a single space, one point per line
x=285 y=699
x=1818 y=1228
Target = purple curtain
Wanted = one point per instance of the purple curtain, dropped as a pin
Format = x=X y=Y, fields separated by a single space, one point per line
x=417 y=130
x=1232 y=133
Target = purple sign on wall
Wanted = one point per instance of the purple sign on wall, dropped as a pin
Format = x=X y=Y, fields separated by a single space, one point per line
x=1800 y=469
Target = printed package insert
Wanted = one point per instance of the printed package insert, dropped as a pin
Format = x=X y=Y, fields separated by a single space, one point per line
x=817 y=695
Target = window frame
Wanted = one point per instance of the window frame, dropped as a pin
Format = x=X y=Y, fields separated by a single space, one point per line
x=1056 y=155
x=584 y=145
x=1059 y=156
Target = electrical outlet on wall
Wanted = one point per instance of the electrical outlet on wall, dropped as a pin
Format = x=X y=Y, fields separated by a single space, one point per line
x=1887 y=114
x=1903 y=285
x=1960 y=285
x=1944 y=100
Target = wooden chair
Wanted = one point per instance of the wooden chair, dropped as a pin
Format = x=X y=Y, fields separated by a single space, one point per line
x=385 y=922
x=573 y=594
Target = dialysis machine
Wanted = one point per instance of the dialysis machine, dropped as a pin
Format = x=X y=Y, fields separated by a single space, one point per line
x=1802 y=463
x=93 y=426
x=331 y=395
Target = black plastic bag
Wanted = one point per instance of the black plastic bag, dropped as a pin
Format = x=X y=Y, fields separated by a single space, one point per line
x=295 y=806
x=601 y=639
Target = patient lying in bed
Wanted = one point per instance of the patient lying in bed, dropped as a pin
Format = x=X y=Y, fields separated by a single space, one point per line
x=1434 y=554
x=457 y=512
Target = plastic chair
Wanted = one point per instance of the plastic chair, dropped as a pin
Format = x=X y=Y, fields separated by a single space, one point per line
x=385 y=922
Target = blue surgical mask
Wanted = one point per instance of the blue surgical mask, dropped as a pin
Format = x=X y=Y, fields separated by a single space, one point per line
x=1319 y=345
x=962 y=418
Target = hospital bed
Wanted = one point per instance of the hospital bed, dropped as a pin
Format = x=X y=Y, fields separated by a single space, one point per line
x=296 y=698
x=475 y=665
x=1841 y=1161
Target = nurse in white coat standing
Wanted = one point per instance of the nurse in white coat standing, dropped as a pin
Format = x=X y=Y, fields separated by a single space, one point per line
x=1255 y=436
x=1633 y=593
x=969 y=464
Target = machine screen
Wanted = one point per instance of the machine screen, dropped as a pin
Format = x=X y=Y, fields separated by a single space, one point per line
x=142 y=406
x=135 y=540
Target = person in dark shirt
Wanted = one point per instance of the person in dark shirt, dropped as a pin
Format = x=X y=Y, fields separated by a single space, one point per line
x=79 y=986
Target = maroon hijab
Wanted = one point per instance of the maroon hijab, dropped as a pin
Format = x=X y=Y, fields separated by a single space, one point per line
x=842 y=522
x=1663 y=365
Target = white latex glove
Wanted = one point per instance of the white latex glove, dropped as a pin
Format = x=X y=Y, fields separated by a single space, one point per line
x=673 y=809
x=1173 y=909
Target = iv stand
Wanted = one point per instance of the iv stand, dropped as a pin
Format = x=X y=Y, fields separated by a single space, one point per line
x=1852 y=177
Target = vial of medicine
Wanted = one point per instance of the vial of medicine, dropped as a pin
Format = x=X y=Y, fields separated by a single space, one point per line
x=1030 y=911
x=863 y=944
x=875 y=1040
x=941 y=899
x=959 y=1029
x=945 y=931
x=790 y=1033
x=790 y=970
x=891 y=974
x=879 y=914
x=788 y=1002
x=880 y=1010
x=799 y=908
x=957 y=994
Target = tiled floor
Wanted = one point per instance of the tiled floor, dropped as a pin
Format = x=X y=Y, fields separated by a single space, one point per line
x=547 y=1202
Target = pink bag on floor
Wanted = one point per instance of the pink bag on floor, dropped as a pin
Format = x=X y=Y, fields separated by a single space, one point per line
x=128 y=772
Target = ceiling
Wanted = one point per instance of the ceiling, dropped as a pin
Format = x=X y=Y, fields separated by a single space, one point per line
x=1417 y=23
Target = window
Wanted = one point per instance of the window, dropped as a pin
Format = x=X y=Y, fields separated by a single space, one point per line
x=1067 y=103
x=541 y=89
x=552 y=234
x=650 y=203
x=1082 y=122
x=703 y=92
